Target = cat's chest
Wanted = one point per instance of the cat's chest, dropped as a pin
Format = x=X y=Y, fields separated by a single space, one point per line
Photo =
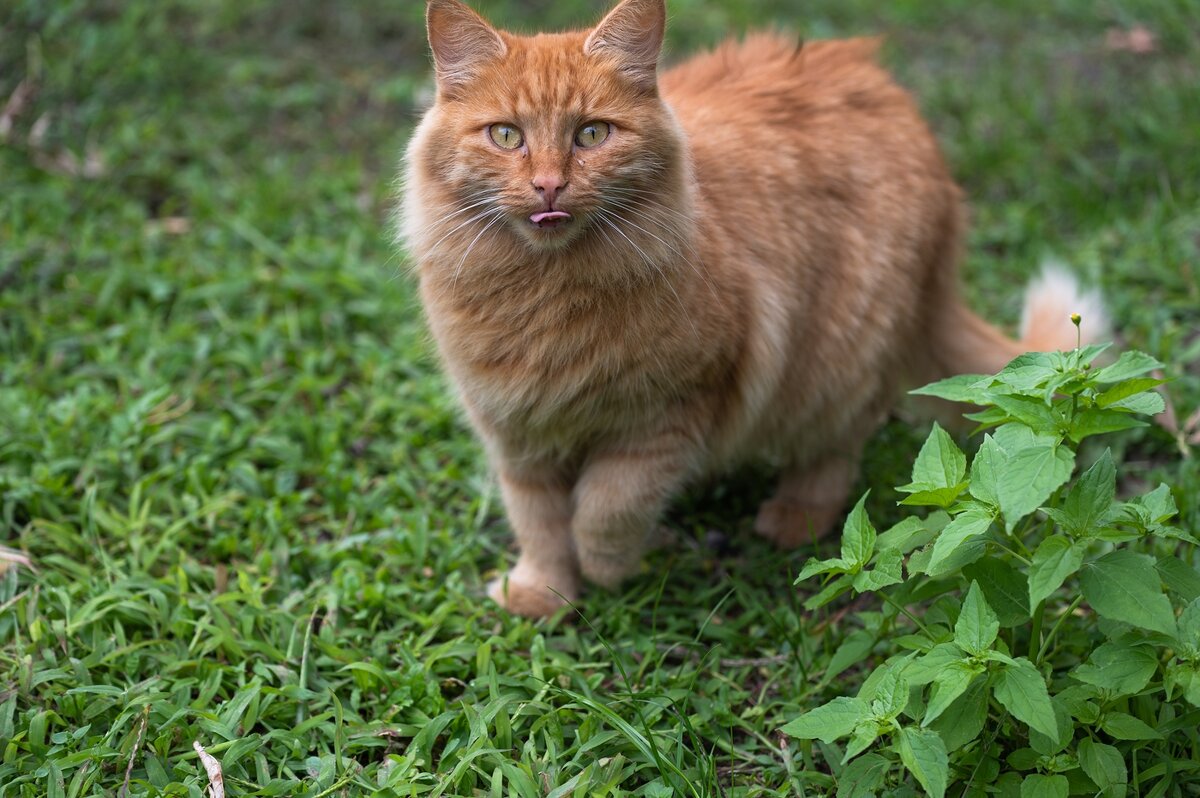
x=561 y=360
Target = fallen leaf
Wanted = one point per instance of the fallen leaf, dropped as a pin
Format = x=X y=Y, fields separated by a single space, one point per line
x=1137 y=39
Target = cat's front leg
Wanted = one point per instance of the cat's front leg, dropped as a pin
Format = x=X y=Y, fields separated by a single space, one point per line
x=538 y=503
x=618 y=499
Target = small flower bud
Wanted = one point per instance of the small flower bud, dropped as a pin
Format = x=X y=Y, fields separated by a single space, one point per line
x=1076 y=318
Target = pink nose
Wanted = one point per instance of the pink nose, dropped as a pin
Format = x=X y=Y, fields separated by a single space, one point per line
x=549 y=186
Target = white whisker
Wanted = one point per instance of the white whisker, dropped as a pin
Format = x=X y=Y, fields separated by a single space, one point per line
x=604 y=214
x=499 y=216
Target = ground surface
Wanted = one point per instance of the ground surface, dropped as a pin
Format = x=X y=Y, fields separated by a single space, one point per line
x=258 y=521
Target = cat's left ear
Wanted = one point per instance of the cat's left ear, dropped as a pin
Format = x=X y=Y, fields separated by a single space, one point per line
x=633 y=33
x=461 y=40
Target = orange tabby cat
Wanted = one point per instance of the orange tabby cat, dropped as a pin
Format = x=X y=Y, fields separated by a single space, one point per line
x=635 y=280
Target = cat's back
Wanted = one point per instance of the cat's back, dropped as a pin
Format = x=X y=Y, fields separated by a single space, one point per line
x=772 y=81
x=760 y=105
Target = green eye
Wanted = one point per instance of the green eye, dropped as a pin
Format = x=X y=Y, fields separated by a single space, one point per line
x=506 y=136
x=592 y=133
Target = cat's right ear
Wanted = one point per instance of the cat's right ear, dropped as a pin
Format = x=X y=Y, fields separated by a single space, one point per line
x=633 y=33
x=461 y=41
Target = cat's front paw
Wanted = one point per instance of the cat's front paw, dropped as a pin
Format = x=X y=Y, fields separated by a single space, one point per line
x=530 y=599
x=790 y=524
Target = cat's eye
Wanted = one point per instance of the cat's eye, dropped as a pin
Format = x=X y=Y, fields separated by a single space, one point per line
x=506 y=136
x=592 y=133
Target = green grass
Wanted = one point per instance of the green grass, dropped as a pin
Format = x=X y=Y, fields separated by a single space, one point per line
x=258 y=520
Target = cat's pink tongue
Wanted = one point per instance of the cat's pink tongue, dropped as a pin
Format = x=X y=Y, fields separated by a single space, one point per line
x=547 y=219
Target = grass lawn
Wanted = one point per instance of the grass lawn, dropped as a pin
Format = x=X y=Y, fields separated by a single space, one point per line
x=258 y=520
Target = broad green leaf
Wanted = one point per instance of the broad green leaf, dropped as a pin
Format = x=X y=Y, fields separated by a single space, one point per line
x=925 y=669
x=937 y=475
x=1102 y=763
x=1056 y=558
x=1035 y=468
x=1086 y=353
x=853 y=650
x=1087 y=505
x=977 y=625
x=1126 y=727
x=986 y=468
x=1095 y=421
x=1030 y=371
x=964 y=719
x=1049 y=746
x=1123 y=586
x=1184 y=677
x=1004 y=587
x=1037 y=785
x=924 y=754
x=966 y=525
x=969 y=388
x=835 y=565
x=1119 y=667
x=887 y=571
x=1179 y=577
x=1159 y=505
x=940 y=462
x=1189 y=627
x=1130 y=364
x=1023 y=759
x=1020 y=688
x=864 y=734
x=948 y=685
x=1144 y=404
x=904 y=536
x=1124 y=390
x=1079 y=699
x=991 y=417
x=828 y=593
x=891 y=695
x=931 y=497
x=829 y=721
x=1008 y=785
x=1033 y=413
x=858 y=537
x=862 y=777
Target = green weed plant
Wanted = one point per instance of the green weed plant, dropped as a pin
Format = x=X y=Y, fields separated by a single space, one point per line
x=1037 y=637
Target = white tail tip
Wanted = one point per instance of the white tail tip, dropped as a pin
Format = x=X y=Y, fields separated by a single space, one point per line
x=1050 y=301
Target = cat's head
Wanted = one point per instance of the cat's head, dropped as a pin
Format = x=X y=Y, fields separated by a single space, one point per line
x=543 y=137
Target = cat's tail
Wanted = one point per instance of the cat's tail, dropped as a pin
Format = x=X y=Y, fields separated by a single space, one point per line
x=964 y=343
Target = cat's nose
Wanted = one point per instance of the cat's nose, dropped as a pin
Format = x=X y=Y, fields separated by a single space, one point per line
x=549 y=186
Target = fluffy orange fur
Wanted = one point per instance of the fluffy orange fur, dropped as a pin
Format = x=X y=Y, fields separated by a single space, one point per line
x=759 y=254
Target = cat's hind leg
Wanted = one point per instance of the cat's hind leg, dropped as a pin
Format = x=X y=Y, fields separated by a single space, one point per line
x=810 y=499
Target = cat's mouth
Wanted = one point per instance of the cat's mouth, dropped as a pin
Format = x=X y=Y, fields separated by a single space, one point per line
x=548 y=220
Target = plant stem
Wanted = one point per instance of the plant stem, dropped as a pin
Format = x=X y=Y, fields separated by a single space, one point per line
x=907 y=614
x=1035 y=634
x=1023 y=559
x=1054 y=630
